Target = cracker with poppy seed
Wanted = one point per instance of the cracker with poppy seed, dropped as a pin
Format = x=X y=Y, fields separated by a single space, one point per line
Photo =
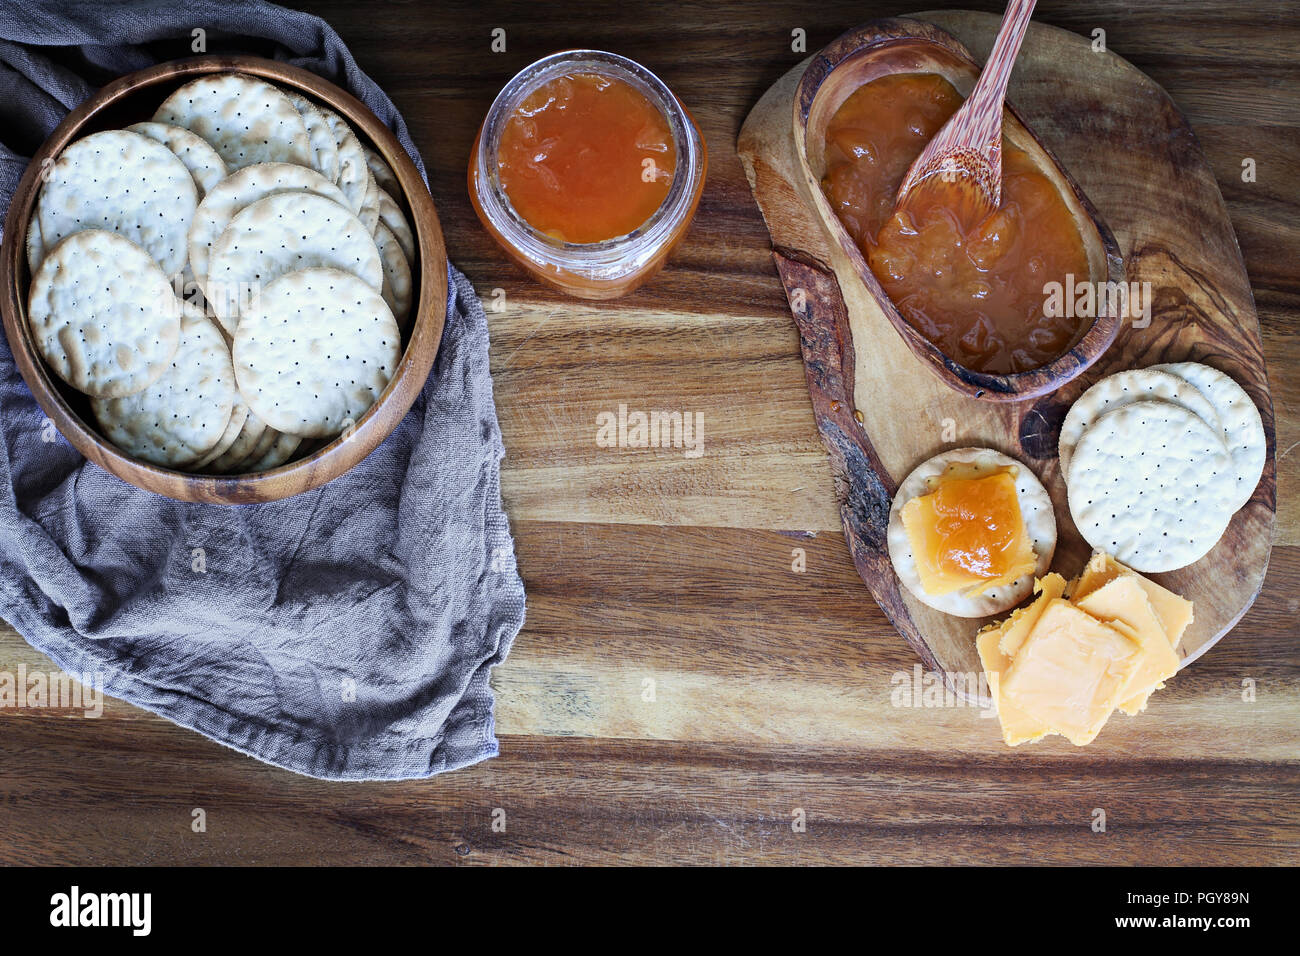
x=1124 y=388
x=390 y=214
x=178 y=418
x=125 y=183
x=283 y=233
x=385 y=178
x=969 y=531
x=242 y=447
x=35 y=245
x=246 y=120
x=204 y=163
x=354 y=174
x=233 y=430
x=103 y=315
x=398 y=291
x=1243 y=429
x=324 y=151
x=240 y=190
x=280 y=451
x=1152 y=484
x=317 y=352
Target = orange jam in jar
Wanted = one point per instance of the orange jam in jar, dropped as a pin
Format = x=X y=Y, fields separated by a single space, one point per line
x=976 y=291
x=588 y=171
x=586 y=157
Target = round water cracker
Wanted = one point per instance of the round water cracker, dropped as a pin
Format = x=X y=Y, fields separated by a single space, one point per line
x=125 y=183
x=204 y=163
x=248 y=439
x=255 y=454
x=1124 y=388
x=281 y=450
x=390 y=214
x=243 y=118
x=1243 y=430
x=369 y=211
x=354 y=174
x=324 y=151
x=316 y=352
x=241 y=189
x=1035 y=508
x=35 y=245
x=385 y=178
x=237 y=418
x=178 y=418
x=104 y=316
x=397 y=289
x=1152 y=484
x=283 y=233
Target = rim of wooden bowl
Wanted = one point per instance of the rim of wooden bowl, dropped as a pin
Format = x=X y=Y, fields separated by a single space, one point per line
x=340 y=454
x=879 y=35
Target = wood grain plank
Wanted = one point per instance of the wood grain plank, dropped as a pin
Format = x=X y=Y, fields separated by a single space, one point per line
x=760 y=464
x=643 y=803
x=758 y=471
x=809 y=658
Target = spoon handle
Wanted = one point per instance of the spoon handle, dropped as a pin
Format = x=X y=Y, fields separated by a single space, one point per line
x=985 y=102
x=969 y=146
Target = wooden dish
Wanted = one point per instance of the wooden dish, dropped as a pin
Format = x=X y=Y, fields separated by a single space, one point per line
x=133 y=98
x=1137 y=158
x=888 y=47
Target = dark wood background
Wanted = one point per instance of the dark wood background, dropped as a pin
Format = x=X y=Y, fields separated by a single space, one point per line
x=772 y=688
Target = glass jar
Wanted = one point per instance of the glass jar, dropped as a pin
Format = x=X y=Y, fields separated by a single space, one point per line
x=611 y=267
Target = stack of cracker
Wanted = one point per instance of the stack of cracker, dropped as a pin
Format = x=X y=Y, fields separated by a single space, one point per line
x=229 y=282
x=1079 y=652
x=1158 y=460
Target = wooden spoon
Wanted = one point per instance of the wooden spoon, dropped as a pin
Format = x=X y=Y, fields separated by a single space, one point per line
x=966 y=154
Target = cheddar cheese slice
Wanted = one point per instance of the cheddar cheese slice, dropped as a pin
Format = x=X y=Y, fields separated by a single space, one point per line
x=997 y=645
x=1016 y=628
x=1175 y=612
x=1123 y=603
x=1070 y=673
x=1017 y=726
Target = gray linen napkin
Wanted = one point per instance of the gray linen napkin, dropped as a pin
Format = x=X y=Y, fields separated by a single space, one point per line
x=346 y=633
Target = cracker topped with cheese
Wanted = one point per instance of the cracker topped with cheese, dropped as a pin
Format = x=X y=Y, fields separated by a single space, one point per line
x=970 y=530
x=1065 y=663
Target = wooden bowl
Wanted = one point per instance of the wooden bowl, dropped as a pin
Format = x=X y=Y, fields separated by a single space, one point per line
x=908 y=46
x=131 y=99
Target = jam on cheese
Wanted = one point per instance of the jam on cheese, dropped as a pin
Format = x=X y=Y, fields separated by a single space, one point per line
x=1064 y=664
x=586 y=157
x=977 y=291
x=968 y=534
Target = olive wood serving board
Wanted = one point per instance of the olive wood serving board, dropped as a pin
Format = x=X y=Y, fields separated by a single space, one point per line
x=1130 y=148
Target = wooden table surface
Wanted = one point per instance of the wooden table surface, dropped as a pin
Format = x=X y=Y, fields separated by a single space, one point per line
x=680 y=693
